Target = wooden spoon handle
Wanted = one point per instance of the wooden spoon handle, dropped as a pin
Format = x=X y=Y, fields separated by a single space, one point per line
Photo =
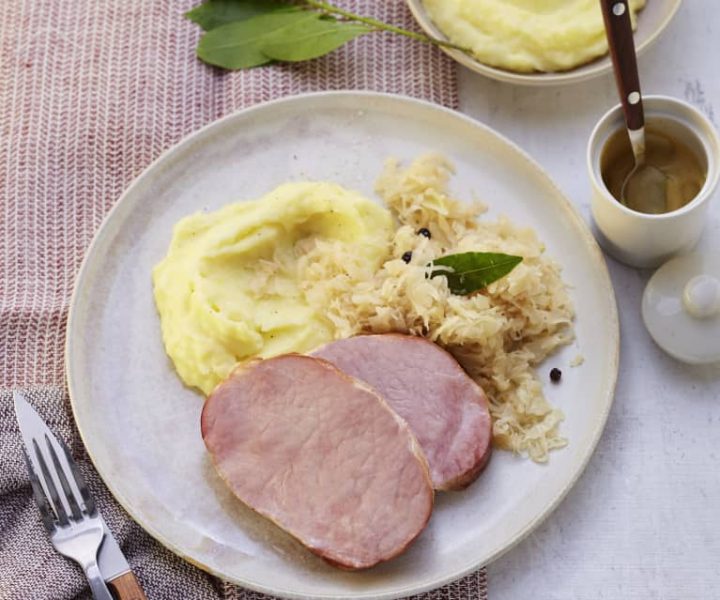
x=126 y=587
x=622 y=51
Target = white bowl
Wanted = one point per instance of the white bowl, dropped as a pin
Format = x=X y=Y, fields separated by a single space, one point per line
x=652 y=21
x=645 y=240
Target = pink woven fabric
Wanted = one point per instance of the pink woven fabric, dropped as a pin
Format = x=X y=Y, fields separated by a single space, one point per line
x=91 y=91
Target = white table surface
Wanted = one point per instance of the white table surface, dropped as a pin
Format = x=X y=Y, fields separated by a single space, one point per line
x=644 y=520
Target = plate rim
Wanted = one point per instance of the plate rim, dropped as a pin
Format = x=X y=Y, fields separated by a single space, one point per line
x=563 y=202
x=598 y=67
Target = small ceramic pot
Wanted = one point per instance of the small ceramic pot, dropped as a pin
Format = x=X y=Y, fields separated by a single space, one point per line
x=644 y=240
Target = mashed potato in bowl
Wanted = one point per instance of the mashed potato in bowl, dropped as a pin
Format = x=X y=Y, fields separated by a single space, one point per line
x=526 y=35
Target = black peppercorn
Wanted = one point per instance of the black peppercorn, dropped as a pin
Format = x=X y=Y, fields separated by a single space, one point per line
x=407 y=257
x=424 y=232
x=555 y=375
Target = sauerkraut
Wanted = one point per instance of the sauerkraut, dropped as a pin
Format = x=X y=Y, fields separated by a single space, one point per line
x=498 y=334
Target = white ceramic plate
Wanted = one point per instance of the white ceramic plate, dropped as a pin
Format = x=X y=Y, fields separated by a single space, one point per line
x=652 y=21
x=141 y=426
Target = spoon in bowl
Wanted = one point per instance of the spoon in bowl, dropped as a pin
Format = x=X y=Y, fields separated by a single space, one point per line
x=644 y=188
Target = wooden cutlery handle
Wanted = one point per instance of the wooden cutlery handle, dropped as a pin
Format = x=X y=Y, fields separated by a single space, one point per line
x=126 y=587
x=622 y=51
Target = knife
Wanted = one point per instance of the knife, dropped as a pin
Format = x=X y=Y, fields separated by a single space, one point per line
x=114 y=568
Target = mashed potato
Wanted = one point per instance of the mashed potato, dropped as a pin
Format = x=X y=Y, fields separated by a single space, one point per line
x=230 y=286
x=498 y=334
x=526 y=35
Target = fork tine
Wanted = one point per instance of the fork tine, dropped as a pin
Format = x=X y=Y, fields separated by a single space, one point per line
x=69 y=495
x=40 y=499
x=80 y=482
x=50 y=485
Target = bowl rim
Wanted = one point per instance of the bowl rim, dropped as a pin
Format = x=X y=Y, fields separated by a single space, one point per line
x=584 y=72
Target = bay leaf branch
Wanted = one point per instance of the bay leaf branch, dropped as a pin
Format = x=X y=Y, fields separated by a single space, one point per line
x=241 y=34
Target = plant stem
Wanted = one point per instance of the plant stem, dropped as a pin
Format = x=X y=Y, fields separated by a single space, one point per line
x=335 y=10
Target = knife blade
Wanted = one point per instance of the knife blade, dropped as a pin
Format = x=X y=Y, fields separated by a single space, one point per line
x=111 y=561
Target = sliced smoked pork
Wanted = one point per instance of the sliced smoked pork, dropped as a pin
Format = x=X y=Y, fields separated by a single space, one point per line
x=446 y=410
x=321 y=455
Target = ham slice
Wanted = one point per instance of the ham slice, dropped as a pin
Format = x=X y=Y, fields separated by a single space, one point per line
x=322 y=456
x=446 y=410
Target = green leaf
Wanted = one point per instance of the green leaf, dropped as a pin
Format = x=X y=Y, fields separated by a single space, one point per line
x=250 y=43
x=239 y=45
x=471 y=271
x=214 y=13
x=310 y=39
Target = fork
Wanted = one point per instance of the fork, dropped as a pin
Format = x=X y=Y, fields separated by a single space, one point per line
x=79 y=534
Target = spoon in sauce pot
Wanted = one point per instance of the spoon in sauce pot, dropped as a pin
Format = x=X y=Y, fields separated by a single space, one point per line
x=644 y=188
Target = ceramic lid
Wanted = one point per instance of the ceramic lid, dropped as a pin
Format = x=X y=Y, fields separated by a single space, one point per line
x=681 y=308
